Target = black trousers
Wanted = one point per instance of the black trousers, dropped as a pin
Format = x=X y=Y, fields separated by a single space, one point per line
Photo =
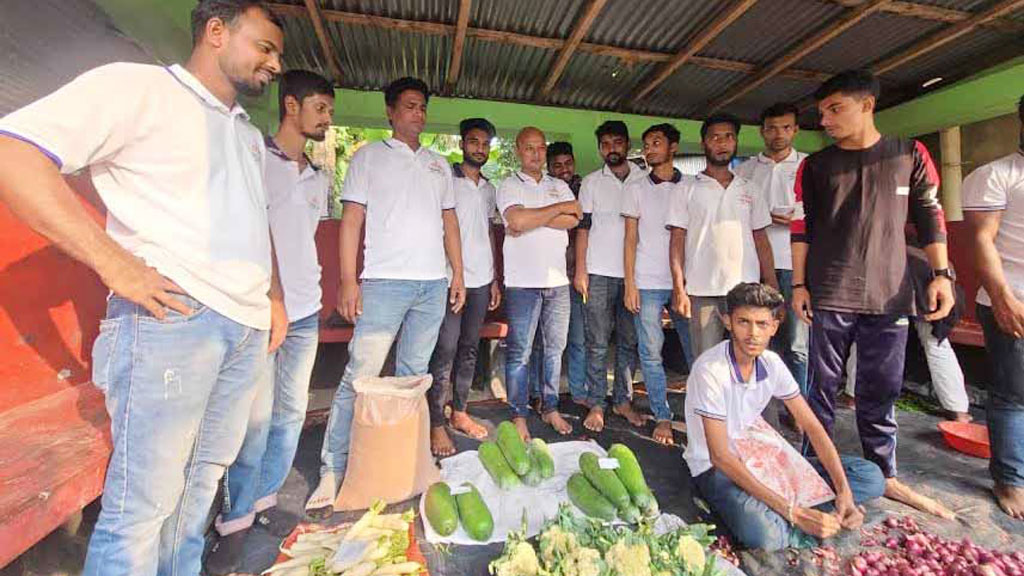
x=881 y=350
x=455 y=354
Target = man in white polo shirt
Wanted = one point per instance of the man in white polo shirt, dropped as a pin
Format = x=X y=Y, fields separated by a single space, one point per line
x=537 y=210
x=454 y=357
x=297 y=193
x=187 y=256
x=773 y=174
x=599 y=249
x=402 y=194
x=718 y=236
x=648 y=279
x=994 y=209
x=728 y=389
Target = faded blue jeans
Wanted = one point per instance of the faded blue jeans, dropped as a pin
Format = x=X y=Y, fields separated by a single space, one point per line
x=1005 y=412
x=790 y=341
x=178 y=392
x=606 y=312
x=650 y=338
x=275 y=424
x=527 y=308
x=575 y=354
x=757 y=526
x=410 y=310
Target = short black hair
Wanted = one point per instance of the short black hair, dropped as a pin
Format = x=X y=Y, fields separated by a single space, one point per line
x=395 y=89
x=300 y=84
x=858 y=83
x=668 y=130
x=720 y=118
x=780 y=109
x=227 y=11
x=612 y=128
x=560 y=149
x=476 y=124
x=753 y=295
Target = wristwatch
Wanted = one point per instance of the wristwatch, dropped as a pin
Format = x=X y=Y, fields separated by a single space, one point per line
x=944 y=272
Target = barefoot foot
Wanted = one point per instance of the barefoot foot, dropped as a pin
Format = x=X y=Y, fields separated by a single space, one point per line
x=900 y=492
x=1011 y=499
x=595 y=419
x=960 y=416
x=524 y=432
x=626 y=411
x=440 y=443
x=557 y=422
x=464 y=423
x=663 y=433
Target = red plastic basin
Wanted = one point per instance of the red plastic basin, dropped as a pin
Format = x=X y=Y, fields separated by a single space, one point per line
x=967 y=437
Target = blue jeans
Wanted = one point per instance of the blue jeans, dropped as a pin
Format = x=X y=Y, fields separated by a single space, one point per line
x=790 y=342
x=414 y=307
x=757 y=526
x=650 y=338
x=275 y=424
x=575 y=351
x=178 y=392
x=605 y=311
x=1005 y=412
x=526 y=308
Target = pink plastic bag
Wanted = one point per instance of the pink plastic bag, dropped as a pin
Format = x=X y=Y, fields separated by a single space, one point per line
x=777 y=465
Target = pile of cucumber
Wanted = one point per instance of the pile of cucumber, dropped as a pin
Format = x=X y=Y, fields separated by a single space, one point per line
x=607 y=493
x=512 y=462
x=445 y=511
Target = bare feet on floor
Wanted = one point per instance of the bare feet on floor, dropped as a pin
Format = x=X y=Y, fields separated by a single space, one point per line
x=440 y=443
x=900 y=492
x=626 y=411
x=595 y=419
x=1011 y=500
x=663 y=433
x=557 y=422
x=464 y=423
x=524 y=432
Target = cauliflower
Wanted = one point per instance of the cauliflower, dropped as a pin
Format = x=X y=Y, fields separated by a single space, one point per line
x=584 y=562
x=518 y=560
x=627 y=559
x=691 y=553
x=555 y=543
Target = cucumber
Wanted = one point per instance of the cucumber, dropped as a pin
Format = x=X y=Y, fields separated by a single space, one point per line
x=440 y=509
x=475 y=516
x=630 y=514
x=632 y=478
x=606 y=481
x=534 y=476
x=495 y=464
x=513 y=448
x=541 y=457
x=588 y=499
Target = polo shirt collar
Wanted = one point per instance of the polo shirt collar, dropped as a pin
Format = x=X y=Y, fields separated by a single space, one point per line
x=793 y=156
x=633 y=168
x=458 y=173
x=677 y=176
x=760 y=370
x=705 y=178
x=197 y=88
x=526 y=178
x=274 y=149
x=396 y=144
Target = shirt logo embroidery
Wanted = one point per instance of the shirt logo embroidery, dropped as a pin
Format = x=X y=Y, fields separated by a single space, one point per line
x=903 y=190
x=553 y=192
x=435 y=168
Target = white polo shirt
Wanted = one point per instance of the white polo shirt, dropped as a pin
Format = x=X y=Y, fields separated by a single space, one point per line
x=475 y=205
x=404 y=193
x=775 y=180
x=999 y=186
x=180 y=173
x=648 y=200
x=537 y=258
x=297 y=203
x=719 y=224
x=601 y=196
x=716 y=389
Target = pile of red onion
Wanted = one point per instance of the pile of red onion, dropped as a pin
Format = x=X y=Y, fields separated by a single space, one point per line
x=913 y=552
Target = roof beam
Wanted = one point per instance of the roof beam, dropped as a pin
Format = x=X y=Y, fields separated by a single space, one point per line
x=809 y=45
x=455 y=65
x=499 y=36
x=710 y=32
x=313 y=9
x=939 y=14
x=946 y=35
x=579 y=30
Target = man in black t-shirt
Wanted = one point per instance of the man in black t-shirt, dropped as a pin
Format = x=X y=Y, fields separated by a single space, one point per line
x=850 y=271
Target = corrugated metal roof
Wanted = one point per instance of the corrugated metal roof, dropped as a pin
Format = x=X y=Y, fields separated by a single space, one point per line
x=370 y=57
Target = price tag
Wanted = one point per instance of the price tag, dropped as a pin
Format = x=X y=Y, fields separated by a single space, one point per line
x=456 y=490
x=607 y=463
